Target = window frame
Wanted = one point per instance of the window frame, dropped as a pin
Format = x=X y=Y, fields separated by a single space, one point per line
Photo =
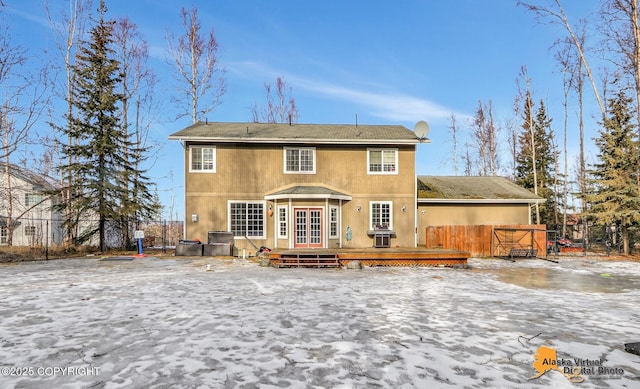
x=202 y=160
x=334 y=223
x=262 y=222
x=29 y=196
x=30 y=231
x=283 y=224
x=299 y=149
x=373 y=224
x=382 y=151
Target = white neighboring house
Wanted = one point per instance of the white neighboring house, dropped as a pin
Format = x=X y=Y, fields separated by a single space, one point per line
x=36 y=222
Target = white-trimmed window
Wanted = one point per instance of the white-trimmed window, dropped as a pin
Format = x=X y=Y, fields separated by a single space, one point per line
x=31 y=199
x=4 y=234
x=334 y=225
x=381 y=214
x=202 y=159
x=300 y=160
x=283 y=226
x=29 y=230
x=382 y=161
x=247 y=218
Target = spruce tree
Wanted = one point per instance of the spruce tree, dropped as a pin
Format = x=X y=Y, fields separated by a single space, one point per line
x=96 y=156
x=616 y=196
x=539 y=158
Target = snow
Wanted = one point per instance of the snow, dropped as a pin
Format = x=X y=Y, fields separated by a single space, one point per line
x=156 y=322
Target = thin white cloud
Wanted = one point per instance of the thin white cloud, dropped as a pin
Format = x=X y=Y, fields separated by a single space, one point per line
x=385 y=105
x=391 y=106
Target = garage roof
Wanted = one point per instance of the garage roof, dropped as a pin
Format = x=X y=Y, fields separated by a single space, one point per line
x=472 y=189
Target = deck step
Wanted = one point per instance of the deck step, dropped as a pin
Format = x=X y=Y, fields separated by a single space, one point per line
x=306 y=260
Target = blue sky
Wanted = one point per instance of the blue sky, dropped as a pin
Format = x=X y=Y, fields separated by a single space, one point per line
x=386 y=62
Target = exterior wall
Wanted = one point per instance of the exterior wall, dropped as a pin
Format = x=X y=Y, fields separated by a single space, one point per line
x=43 y=224
x=450 y=214
x=251 y=171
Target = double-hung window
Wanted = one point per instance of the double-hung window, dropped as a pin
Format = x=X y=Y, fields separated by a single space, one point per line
x=282 y=222
x=203 y=159
x=246 y=218
x=334 y=229
x=382 y=161
x=31 y=199
x=381 y=215
x=29 y=230
x=300 y=160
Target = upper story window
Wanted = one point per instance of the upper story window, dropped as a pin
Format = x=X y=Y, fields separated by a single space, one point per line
x=300 y=160
x=203 y=159
x=382 y=161
x=31 y=199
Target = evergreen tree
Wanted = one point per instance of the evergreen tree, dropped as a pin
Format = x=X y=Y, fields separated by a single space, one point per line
x=616 y=196
x=96 y=153
x=535 y=159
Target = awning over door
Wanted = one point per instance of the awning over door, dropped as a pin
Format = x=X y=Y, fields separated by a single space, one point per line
x=3 y=222
x=307 y=192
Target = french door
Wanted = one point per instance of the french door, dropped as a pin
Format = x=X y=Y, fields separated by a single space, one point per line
x=308 y=228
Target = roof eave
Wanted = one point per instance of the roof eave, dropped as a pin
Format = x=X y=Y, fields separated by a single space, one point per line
x=293 y=140
x=481 y=201
x=307 y=196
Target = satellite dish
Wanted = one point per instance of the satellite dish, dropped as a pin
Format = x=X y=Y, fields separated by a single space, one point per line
x=421 y=129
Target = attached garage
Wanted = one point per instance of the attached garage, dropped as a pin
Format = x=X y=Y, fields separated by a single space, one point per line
x=471 y=201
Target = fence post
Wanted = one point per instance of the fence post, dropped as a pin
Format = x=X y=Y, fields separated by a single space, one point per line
x=164 y=236
x=46 y=241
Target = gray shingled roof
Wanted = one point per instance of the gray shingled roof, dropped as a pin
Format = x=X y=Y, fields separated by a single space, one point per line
x=307 y=191
x=40 y=182
x=472 y=189
x=295 y=133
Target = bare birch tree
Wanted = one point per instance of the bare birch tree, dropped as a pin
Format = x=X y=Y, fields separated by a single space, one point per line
x=280 y=108
x=556 y=15
x=68 y=28
x=136 y=86
x=484 y=136
x=21 y=104
x=621 y=26
x=453 y=129
x=512 y=142
x=196 y=67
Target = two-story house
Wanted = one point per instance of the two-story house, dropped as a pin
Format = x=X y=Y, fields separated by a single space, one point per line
x=26 y=214
x=300 y=186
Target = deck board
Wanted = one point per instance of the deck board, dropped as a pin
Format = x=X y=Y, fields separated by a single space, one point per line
x=376 y=256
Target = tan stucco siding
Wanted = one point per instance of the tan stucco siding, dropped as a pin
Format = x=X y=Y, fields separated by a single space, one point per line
x=260 y=169
x=249 y=172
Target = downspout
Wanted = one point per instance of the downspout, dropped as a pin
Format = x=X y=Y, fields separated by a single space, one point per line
x=184 y=185
x=415 y=209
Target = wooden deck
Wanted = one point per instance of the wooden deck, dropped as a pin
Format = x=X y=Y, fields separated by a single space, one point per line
x=333 y=258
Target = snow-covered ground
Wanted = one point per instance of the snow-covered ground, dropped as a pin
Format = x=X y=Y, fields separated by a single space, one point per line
x=170 y=323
